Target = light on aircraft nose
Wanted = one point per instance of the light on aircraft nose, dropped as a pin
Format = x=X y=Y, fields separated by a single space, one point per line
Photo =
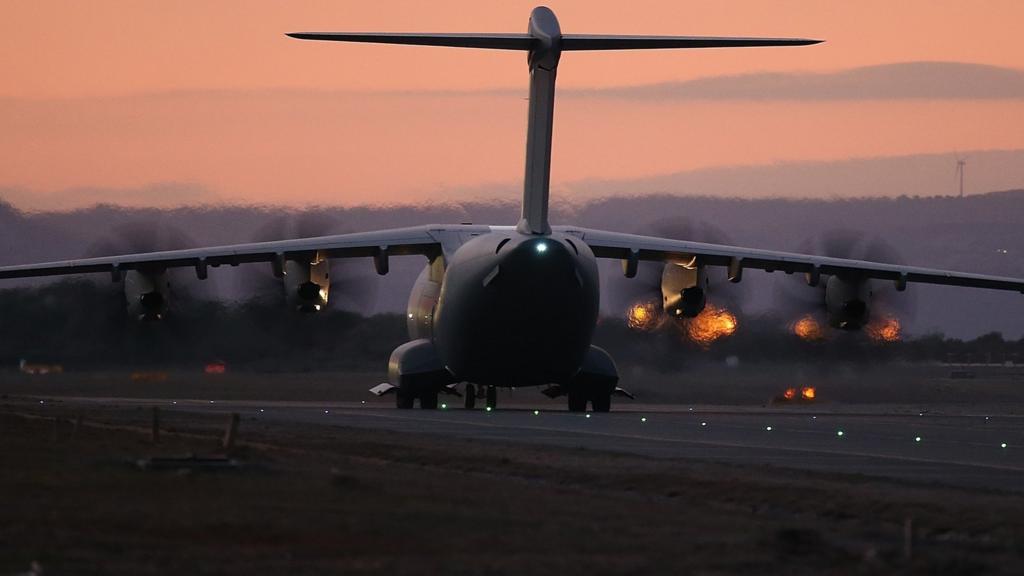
x=542 y=247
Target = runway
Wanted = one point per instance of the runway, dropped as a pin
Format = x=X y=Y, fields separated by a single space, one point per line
x=960 y=449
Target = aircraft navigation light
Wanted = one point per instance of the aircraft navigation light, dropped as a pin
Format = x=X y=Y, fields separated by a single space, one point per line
x=488 y=408
x=327 y=411
x=768 y=428
x=705 y=424
x=444 y=406
x=536 y=412
x=839 y=433
x=917 y=438
x=588 y=415
x=1003 y=445
x=643 y=419
x=542 y=247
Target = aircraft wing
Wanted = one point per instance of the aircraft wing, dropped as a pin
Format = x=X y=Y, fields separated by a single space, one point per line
x=631 y=247
x=400 y=241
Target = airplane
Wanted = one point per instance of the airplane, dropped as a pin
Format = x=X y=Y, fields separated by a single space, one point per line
x=516 y=306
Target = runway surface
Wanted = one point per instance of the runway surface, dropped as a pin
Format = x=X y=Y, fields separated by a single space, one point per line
x=963 y=449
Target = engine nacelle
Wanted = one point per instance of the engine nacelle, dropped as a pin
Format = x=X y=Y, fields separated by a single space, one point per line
x=848 y=302
x=147 y=293
x=423 y=300
x=307 y=283
x=683 y=289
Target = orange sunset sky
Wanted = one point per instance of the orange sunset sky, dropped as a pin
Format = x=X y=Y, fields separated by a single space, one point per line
x=165 y=103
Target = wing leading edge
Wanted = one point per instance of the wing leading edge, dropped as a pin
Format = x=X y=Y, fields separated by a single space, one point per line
x=420 y=240
x=735 y=259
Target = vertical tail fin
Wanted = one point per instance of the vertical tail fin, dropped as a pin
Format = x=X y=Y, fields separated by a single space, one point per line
x=545 y=42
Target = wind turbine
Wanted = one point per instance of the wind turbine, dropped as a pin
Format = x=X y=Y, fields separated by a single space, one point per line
x=961 y=165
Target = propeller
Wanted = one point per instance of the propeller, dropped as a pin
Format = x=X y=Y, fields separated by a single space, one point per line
x=353 y=287
x=143 y=236
x=626 y=293
x=807 y=304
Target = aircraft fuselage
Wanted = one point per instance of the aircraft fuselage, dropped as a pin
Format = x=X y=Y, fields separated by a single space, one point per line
x=517 y=309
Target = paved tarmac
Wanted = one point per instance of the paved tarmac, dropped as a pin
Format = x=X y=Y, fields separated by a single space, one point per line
x=953 y=447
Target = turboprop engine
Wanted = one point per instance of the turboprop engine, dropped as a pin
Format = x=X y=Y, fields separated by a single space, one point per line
x=423 y=300
x=845 y=300
x=683 y=289
x=848 y=302
x=307 y=282
x=148 y=293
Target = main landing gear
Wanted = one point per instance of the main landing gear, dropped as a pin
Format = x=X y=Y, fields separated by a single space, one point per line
x=405 y=399
x=489 y=393
x=599 y=397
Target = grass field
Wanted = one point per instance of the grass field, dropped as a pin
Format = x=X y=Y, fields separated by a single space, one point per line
x=327 y=499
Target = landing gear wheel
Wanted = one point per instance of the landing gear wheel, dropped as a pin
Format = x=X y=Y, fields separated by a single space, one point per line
x=601 y=400
x=404 y=399
x=577 y=401
x=470 y=396
x=492 y=397
x=428 y=400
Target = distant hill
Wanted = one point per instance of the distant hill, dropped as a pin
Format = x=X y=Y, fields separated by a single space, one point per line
x=969 y=234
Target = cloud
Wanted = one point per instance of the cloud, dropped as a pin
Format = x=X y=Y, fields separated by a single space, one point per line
x=156 y=195
x=903 y=81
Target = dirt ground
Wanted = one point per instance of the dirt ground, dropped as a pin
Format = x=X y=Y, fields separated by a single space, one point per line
x=326 y=499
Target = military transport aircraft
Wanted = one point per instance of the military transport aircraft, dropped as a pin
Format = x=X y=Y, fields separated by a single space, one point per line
x=503 y=306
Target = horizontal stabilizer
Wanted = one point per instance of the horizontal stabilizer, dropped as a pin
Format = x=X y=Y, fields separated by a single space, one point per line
x=493 y=41
x=568 y=41
x=602 y=42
